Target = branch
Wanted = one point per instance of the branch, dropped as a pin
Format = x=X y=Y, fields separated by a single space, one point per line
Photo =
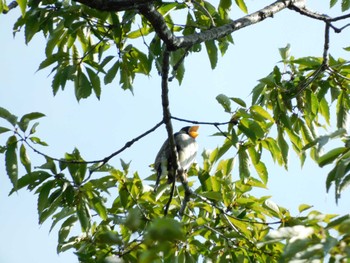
x=204 y=122
x=11 y=6
x=115 y=5
x=169 y=128
x=173 y=42
x=102 y=161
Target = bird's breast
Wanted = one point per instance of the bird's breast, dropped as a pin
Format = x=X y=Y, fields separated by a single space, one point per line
x=187 y=150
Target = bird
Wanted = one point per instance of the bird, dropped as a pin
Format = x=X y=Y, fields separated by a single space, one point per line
x=186 y=147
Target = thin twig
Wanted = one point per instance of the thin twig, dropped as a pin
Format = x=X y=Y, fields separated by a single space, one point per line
x=203 y=122
x=102 y=161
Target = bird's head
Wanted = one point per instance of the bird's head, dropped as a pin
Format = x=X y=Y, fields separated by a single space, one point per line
x=190 y=130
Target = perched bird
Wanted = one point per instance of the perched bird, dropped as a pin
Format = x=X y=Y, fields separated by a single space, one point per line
x=186 y=147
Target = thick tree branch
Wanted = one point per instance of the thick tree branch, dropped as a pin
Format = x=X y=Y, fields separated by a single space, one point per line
x=173 y=42
x=148 y=10
x=115 y=5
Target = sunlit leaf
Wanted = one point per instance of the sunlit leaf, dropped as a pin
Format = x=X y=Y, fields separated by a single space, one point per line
x=241 y=4
x=330 y=156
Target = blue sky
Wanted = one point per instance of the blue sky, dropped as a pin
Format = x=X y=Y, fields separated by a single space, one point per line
x=98 y=128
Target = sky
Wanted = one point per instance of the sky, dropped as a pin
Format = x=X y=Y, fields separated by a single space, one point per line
x=99 y=127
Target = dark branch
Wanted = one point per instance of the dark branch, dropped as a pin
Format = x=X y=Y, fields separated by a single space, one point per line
x=204 y=122
x=102 y=161
x=115 y=5
x=11 y=6
x=173 y=42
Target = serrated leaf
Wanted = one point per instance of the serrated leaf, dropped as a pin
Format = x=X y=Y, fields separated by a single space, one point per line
x=32 y=25
x=82 y=86
x=83 y=215
x=24 y=121
x=212 y=52
x=11 y=162
x=25 y=159
x=95 y=82
x=66 y=228
x=31 y=181
x=5 y=114
x=43 y=198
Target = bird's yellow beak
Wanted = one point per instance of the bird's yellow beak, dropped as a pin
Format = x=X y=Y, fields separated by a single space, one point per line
x=193 y=131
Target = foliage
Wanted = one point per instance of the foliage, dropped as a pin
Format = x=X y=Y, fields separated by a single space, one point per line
x=104 y=212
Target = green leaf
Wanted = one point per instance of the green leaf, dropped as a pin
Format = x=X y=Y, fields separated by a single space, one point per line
x=44 y=192
x=330 y=156
x=108 y=237
x=345 y=5
x=251 y=129
x=3 y=130
x=32 y=24
x=36 y=140
x=76 y=166
x=165 y=229
x=99 y=207
x=224 y=101
x=212 y=52
x=25 y=159
x=24 y=122
x=341 y=111
x=111 y=73
x=95 y=82
x=243 y=160
x=65 y=229
x=259 y=111
x=333 y=2
x=284 y=147
x=23 y=6
x=82 y=86
x=11 y=162
x=224 y=8
x=31 y=181
x=304 y=207
x=212 y=195
x=273 y=207
x=239 y=101
x=5 y=114
x=241 y=4
x=285 y=52
x=83 y=215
